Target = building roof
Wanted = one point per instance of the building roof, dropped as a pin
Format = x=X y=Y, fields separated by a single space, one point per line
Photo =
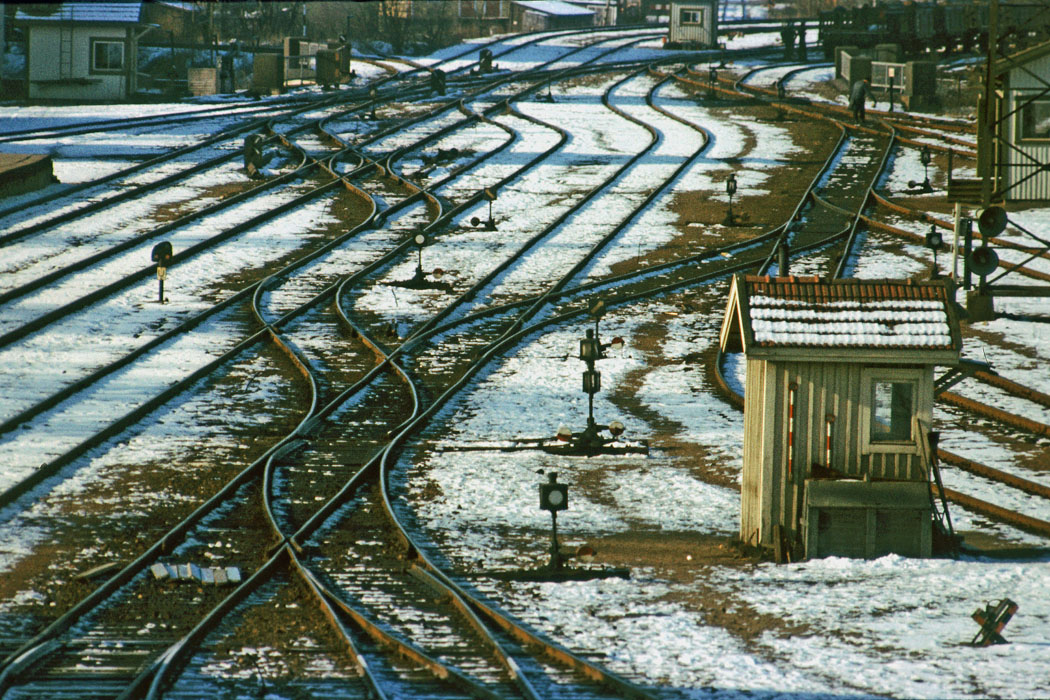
x=553 y=7
x=843 y=319
x=85 y=12
x=1005 y=64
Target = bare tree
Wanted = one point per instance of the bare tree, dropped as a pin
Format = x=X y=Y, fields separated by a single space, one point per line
x=434 y=23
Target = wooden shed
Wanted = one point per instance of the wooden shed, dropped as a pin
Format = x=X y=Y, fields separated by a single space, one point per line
x=548 y=15
x=838 y=401
x=693 y=24
x=82 y=51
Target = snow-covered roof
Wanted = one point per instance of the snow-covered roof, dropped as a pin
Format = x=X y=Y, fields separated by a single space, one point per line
x=187 y=6
x=87 y=12
x=836 y=315
x=553 y=7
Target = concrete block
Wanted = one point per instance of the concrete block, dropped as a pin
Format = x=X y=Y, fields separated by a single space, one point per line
x=162 y=572
x=858 y=68
x=839 y=50
x=890 y=53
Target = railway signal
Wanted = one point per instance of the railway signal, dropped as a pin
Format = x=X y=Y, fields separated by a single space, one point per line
x=490 y=194
x=730 y=190
x=437 y=81
x=934 y=242
x=161 y=255
x=924 y=158
x=891 y=73
x=591 y=441
x=554 y=497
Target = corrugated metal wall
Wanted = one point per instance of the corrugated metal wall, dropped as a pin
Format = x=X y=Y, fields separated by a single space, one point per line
x=1022 y=177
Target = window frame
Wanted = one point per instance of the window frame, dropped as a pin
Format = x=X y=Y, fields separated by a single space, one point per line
x=873 y=376
x=697 y=12
x=1022 y=107
x=93 y=69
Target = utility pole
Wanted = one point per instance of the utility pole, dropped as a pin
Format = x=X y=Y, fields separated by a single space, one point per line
x=986 y=114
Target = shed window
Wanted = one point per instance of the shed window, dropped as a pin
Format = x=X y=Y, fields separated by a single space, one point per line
x=691 y=17
x=892 y=408
x=107 y=56
x=1035 y=120
x=892 y=399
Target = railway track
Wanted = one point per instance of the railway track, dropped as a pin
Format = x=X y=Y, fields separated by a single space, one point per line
x=847 y=182
x=16 y=666
x=338 y=541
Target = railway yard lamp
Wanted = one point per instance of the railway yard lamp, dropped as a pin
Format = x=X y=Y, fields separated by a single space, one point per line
x=934 y=242
x=161 y=255
x=372 y=94
x=554 y=497
x=891 y=73
x=730 y=190
x=490 y=195
x=420 y=240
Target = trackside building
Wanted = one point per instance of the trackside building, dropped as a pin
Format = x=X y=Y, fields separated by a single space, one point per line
x=838 y=404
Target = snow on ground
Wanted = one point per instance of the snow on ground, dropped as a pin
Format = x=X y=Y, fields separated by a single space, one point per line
x=891 y=626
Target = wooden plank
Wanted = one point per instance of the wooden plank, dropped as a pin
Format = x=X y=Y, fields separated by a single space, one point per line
x=965 y=191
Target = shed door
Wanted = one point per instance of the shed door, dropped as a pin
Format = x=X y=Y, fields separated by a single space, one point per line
x=899 y=531
x=841 y=532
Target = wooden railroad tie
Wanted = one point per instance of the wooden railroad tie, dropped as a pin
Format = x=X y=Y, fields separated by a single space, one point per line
x=993 y=619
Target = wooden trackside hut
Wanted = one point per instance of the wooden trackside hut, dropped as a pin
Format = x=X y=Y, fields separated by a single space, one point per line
x=82 y=51
x=693 y=24
x=548 y=15
x=837 y=407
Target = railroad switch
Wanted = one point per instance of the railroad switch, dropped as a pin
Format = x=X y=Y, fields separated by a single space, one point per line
x=993 y=619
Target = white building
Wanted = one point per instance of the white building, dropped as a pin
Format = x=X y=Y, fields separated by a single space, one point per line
x=693 y=24
x=82 y=51
x=1022 y=132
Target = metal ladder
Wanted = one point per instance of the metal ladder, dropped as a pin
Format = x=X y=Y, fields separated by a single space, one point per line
x=929 y=441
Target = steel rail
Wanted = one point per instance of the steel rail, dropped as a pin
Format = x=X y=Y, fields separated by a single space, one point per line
x=307 y=527
x=106 y=125
x=306 y=420
x=138 y=190
x=52 y=467
x=334 y=500
x=171 y=657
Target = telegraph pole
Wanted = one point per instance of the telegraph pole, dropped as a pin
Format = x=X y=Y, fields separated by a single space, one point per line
x=986 y=114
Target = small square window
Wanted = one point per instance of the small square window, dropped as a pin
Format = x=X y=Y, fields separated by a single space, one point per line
x=107 y=56
x=691 y=17
x=1035 y=120
x=892 y=409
